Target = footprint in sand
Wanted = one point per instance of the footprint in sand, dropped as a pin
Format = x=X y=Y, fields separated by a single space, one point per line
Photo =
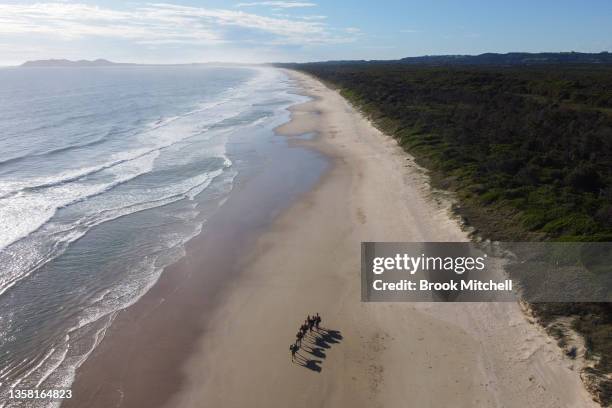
x=361 y=216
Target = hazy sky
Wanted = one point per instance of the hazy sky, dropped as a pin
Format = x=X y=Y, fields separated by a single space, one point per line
x=262 y=31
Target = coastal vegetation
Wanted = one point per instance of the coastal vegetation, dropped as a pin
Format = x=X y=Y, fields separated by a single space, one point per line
x=527 y=150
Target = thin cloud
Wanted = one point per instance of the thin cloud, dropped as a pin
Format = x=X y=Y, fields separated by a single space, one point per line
x=159 y=23
x=353 y=30
x=277 y=4
x=313 y=17
x=307 y=17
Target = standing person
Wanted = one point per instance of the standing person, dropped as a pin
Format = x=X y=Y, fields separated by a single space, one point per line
x=317 y=321
x=298 y=337
x=293 y=348
x=310 y=322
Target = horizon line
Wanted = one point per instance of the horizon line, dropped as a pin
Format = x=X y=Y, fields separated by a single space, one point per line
x=295 y=62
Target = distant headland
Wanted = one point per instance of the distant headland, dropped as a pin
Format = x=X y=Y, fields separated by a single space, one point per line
x=68 y=63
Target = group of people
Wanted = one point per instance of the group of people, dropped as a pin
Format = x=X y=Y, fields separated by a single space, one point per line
x=311 y=323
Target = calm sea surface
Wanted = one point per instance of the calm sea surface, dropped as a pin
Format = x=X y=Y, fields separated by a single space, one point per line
x=104 y=174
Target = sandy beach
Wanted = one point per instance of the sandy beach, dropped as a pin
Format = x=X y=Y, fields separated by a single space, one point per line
x=231 y=349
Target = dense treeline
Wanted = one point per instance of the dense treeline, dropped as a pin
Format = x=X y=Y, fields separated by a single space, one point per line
x=531 y=143
x=527 y=149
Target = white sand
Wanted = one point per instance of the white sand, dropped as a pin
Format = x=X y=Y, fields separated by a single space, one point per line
x=391 y=354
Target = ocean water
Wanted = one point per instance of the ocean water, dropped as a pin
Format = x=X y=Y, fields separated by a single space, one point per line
x=105 y=173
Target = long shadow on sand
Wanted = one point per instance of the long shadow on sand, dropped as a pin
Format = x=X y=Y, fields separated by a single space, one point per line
x=316 y=344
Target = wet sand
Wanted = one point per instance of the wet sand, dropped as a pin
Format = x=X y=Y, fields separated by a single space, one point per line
x=223 y=340
x=138 y=363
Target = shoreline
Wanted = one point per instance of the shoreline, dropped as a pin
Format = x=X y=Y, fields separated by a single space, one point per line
x=306 y=260
x=138 y=362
